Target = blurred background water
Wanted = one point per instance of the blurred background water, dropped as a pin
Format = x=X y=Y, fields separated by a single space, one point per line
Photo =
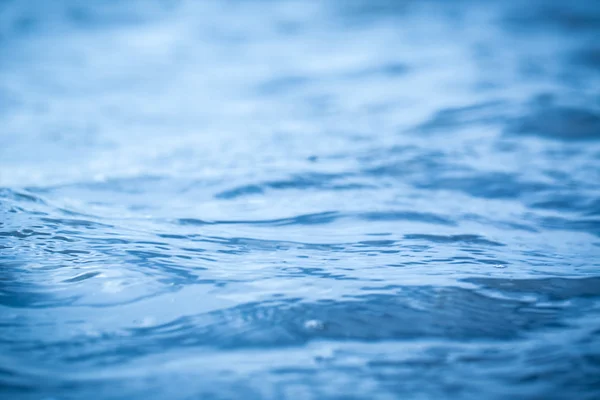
x=351 y=199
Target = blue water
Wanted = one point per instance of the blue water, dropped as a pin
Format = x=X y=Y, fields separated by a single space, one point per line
x=358 y=199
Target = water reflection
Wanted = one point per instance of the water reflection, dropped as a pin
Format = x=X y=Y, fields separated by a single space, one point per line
x=363 y=199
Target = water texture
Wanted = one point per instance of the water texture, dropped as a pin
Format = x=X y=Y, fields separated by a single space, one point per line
x=299 y=199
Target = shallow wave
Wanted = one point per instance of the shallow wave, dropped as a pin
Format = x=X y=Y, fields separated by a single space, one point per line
x=363 y=199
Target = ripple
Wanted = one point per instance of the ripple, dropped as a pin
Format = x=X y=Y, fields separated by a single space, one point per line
x=467 y=239
x=559 y=122
x=316 y=200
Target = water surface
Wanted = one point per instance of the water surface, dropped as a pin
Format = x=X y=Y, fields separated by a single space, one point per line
x=299 y=200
